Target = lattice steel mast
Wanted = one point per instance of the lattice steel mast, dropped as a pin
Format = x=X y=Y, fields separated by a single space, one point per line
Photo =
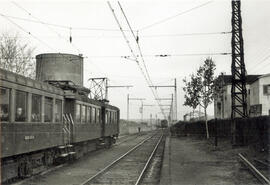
x=238 y=91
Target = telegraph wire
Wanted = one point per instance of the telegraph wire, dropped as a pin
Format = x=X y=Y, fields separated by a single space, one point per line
x=172 y=17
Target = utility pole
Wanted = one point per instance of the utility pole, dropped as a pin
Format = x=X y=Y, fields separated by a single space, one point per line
x=99 y=88
x=127 y=106
x=142 y=110
x=151 y=122
x=115 y=86
x=175 y=93
x=128 y=99
x=238 y=90
x=171 y=113
x=175 y=99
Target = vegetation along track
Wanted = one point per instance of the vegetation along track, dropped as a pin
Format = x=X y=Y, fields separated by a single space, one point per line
x=131 y=166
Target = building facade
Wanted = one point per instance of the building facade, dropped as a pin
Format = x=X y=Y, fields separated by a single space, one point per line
x=258 y=96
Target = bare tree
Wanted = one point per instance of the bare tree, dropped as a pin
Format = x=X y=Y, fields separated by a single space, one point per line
x=16 y=56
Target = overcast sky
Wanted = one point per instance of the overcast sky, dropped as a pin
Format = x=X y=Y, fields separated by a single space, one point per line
x=163 y=27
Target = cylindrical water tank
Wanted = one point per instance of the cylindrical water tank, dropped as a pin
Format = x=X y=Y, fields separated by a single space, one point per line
x=58 y=66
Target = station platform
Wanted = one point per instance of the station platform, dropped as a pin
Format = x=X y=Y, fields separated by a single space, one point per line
x=191 y=161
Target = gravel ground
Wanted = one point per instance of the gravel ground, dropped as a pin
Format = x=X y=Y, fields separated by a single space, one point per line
x=80 y=170
x=197 y=161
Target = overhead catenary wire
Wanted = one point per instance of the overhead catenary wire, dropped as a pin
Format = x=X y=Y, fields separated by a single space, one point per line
x=172 y=17
x=154 y=36
x=59 y=35
x=258 y=64
x=36 y=38
x=135 y=57
x=137 y=43
x=141 y=55
x=145 y=67
x=59 y=25
x=161 y=55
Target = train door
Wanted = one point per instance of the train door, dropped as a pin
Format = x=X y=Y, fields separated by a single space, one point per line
x=68 y=121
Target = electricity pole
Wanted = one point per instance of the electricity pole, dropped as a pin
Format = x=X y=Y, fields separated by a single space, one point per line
x=128 y=99
x=238 y=90
x=175 y=93
x=142 y=109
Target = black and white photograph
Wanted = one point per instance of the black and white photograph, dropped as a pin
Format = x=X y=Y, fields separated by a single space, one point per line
x=135 y=92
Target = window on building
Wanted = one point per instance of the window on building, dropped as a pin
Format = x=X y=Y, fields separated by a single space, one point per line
x=36 y=108
x=4 y=104
x=93 y=115
x=88 y=115
x=21 y=99
x=78 y=113
x=83 y=114
x=266 y=89
x=58 y=110
x=48 y=109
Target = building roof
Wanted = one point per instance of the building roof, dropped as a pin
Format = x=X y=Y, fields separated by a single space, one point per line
x=250 y=78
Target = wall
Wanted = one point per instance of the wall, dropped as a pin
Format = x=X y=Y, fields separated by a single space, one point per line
x=264 y=98
x=226 y=103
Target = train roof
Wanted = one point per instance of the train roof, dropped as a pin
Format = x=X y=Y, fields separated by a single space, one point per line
x=45 y=86
x=28 y=82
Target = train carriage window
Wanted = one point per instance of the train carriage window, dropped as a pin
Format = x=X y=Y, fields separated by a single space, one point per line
x=93 y=115
x=48 y=109
x=88 y=114
x=4 y=104
x=113 y=117
x=98 y=115
x=58 y=110
x=83 y=114
x=110 y=117
x=36 y=108
x=106 y=117
x=78 y=113
x=21 y=99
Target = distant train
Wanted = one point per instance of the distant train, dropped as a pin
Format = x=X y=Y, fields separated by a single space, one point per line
x=50 y=119
x=164 y=123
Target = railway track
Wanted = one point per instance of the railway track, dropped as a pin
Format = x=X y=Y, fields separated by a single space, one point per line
x=130 y=167
x=122 y=140
x=258 y=174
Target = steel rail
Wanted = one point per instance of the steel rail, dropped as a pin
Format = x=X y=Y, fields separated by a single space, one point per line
x=254 y=170
x=148 y=161
x=115 y=161
x=129 y=137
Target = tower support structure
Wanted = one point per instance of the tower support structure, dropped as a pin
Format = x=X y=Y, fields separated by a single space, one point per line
x=238 y=90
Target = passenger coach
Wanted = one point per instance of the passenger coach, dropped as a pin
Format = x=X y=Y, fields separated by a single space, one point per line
x=50 y=119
